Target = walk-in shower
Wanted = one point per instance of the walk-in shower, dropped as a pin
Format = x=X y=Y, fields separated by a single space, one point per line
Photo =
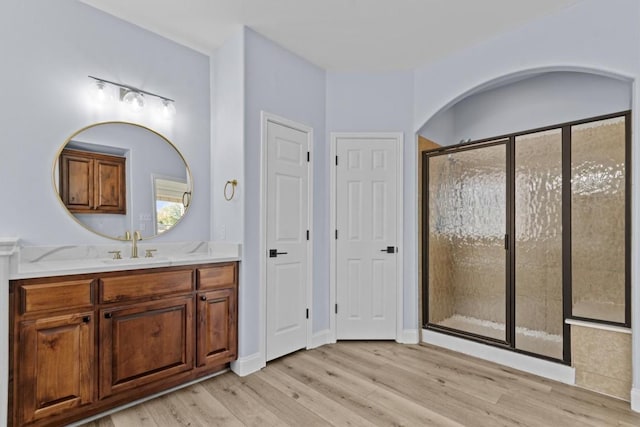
x=524 y=231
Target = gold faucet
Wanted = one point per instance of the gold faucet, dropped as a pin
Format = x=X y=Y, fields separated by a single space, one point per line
x=134 y=242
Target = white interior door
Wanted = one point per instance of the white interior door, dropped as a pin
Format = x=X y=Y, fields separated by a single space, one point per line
x=366 y=227
x=287 y=251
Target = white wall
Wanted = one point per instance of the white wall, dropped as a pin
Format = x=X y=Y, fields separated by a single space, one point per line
x=281 y=83
x=548 y=99
x=441 y=128
x=227 y=146
x=591 y=35
x=381 y=102
x=48 y=49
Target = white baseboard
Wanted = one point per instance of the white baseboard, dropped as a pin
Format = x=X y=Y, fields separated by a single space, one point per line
x=409 y=336
x=321 y=338
x=248 y=364
x=635 y=399
x=532 y=365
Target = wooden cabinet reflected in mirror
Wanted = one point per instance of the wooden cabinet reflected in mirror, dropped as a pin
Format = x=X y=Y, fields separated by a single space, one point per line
x=93 y=182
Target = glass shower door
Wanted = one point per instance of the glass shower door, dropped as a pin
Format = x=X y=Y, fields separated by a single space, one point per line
x=539 y=318
x=465 y=229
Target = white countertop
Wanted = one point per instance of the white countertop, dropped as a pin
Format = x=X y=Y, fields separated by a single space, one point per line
x=60 y=261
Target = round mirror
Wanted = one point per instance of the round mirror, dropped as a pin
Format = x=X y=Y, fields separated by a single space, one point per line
x=119 y=177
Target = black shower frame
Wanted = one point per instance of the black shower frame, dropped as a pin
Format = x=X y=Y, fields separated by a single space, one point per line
x=509 y=141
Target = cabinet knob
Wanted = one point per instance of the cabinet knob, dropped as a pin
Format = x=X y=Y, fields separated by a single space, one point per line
x=108 y=315
x=86 y=319
x=203 y=298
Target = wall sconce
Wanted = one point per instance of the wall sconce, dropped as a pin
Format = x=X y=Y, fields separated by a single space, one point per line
x=132 y=96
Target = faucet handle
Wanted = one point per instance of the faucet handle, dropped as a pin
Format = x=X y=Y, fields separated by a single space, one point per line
x=116 y=254
x=149 y=253
x=137 y=235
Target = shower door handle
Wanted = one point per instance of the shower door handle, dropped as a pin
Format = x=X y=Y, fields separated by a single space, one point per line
x=389 y=250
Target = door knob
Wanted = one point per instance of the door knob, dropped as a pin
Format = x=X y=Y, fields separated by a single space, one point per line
x=273 y=253
x=389 y=250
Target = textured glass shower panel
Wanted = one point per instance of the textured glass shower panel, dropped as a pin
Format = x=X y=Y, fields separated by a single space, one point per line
x=538 y=243
x=598 y=219
x=467 y=224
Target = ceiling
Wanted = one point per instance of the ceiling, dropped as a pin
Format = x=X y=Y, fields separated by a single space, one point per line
x=340 y=35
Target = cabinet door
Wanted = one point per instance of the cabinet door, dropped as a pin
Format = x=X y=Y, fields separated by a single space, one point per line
x=145 y=342
x=56 y=365
x=217 y=327
x=110 y=185
x=76 y=181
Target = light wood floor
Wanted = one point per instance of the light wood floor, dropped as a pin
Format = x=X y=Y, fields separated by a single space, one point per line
x=382 y=384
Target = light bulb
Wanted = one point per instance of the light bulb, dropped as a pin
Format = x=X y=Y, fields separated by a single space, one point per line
x=101 y=92
x=135 y=100
x=168 y=109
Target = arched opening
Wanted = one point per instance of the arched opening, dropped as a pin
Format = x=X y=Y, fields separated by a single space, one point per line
x=541 y=110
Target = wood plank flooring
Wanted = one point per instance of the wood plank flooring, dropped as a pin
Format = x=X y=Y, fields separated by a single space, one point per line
x=378 y=384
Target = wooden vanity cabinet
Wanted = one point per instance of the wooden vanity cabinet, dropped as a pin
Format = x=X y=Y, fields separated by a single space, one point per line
x=217 y=314
x=87 y=343
x=53 y=351
x=217 y=327
x=57 y=365
x=92 y=182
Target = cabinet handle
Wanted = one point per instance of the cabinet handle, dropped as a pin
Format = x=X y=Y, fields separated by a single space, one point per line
x=203 y=298
x=86 y=319
x=108 y=315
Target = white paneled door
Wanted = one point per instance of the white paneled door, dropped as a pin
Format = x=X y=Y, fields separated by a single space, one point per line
x=287 y=200
x=366 y=233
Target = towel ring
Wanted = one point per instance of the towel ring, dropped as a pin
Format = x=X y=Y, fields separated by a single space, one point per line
x=186 y=199
x=233 y=184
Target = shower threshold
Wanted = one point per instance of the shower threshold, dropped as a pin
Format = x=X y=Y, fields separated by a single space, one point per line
x=534 y=341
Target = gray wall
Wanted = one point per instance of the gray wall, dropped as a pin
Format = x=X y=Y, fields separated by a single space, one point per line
x=548 y=99
x=48 y=50
x=227 y=142
x=380 y=102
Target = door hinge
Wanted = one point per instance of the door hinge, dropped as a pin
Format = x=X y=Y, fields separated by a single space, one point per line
x=307 y=234
x=506 y=242
x=336 y=234
x=336 y=160
x=308 y=156
x=307 y=313
x=336 y=308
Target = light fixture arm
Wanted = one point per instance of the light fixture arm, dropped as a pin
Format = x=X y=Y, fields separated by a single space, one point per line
x=131 y=88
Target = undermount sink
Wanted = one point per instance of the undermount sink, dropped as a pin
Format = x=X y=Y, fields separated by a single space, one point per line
x=128 y=261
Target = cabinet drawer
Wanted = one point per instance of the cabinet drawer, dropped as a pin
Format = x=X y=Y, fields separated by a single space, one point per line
x=55 y=296
x=137 y=286
x=218 y=277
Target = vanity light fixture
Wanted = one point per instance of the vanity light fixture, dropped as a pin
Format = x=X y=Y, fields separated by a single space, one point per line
x=132 y=96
